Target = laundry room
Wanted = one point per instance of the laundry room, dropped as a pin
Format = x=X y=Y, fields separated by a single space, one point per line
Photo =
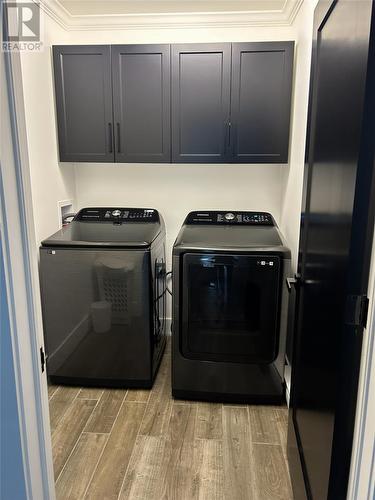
x=187 y=249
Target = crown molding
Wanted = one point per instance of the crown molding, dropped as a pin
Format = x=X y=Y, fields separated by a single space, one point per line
x=69 y=22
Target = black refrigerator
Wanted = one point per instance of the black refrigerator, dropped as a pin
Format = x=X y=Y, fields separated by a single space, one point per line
x=337 y=219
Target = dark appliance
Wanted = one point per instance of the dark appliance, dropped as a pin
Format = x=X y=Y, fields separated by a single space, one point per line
x=334 y=253
x=103 y=284
x=229 y=307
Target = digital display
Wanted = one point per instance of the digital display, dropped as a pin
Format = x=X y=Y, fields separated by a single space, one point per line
x=119 y=215
x=230 y=218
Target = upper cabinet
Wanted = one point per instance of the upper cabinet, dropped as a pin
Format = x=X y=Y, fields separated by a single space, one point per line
x=113 y=103
x=192 y=103
x=260 y=101
x=200 y=102
x=84 y=102
x=141 y=102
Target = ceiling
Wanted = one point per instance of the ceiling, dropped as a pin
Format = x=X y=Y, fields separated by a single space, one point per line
x=140 y=14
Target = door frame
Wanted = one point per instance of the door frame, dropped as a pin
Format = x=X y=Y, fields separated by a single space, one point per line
x=21 y=272
x=362 y=471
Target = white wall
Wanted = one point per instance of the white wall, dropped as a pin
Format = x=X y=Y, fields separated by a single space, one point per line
x=50 y=182
x=177 y=189
x=293 y=173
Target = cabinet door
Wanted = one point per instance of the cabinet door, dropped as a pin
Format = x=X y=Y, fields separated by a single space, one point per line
x=200 y=102
x=141 y=102
x=84 y=102
x=260 y=101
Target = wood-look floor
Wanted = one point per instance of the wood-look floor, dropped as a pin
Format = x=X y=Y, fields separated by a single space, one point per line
x=142 y=445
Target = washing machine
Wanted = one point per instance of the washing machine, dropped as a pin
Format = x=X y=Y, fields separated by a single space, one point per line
x=229 y=308
x=103 y=288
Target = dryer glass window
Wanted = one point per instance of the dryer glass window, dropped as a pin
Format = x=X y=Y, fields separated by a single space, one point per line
x=230 y=310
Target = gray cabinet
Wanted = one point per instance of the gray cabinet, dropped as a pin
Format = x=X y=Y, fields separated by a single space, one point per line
x=200 y=102
x=192 y=103
x=141 y=102
x=113 y=107
x=84 y=102
x=260 y=101
x=231 y=102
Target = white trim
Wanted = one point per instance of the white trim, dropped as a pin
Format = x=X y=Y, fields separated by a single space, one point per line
x=183 y=20
x=362 y=471
x=9 y=293
x=20 y=255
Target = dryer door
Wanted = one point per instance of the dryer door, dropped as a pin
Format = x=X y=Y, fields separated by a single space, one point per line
x=230 y=307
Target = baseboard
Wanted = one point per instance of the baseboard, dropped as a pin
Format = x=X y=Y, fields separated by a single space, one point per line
x=287 y=379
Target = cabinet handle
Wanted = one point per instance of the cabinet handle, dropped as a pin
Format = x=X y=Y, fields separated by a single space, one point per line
x=110 y=137
x=227 y=129
x=229 y=133
x=233 y=139
x=118 y=138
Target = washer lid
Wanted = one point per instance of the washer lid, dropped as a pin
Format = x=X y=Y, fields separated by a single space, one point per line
x=122 y=227
x=237 y=236
x=229 y=236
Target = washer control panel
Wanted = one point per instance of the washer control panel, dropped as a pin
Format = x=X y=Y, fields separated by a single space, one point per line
x=119 y=215
x=231 y=218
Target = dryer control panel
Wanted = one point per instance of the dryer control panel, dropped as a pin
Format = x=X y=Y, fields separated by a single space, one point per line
x=230 y=217
x=115 y=214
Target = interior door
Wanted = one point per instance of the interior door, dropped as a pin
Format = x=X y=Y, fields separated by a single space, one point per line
x=141 y=103
x=84 y=102
x=200 y=102
x=336 y=227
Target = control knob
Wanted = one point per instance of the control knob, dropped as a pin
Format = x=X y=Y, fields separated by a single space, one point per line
x=229 y=216
x=116 y=213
